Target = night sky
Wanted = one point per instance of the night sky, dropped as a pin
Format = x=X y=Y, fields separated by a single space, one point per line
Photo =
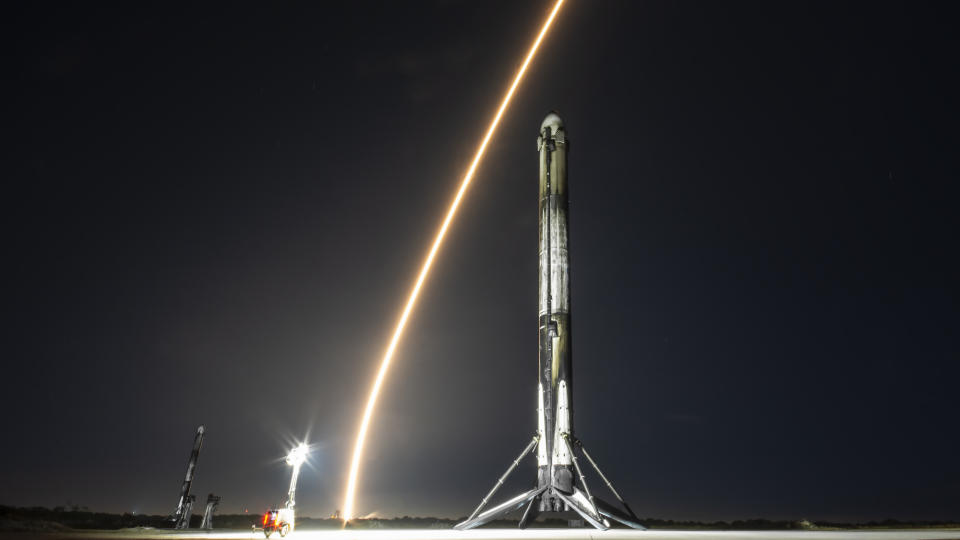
x=214 y=214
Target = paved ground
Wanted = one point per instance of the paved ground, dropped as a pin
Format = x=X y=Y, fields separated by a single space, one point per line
x=502 y=534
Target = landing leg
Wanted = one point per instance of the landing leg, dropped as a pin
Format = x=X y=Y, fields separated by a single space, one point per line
x=473 y=520
x=530 y=513
x=583 y=481
x=633 y=521
x=500 y=510
x=584 y=510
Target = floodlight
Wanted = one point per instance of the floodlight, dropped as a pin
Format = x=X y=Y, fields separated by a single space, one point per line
x=298 y=455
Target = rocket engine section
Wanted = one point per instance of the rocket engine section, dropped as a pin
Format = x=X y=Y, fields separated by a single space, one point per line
x=554 y=463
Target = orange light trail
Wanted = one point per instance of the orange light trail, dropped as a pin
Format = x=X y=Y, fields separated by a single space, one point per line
x=385 y=364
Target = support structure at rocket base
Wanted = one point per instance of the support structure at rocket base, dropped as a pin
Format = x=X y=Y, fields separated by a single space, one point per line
x=561 y=485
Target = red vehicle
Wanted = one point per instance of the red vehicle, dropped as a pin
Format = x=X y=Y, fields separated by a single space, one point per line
x=278 y=520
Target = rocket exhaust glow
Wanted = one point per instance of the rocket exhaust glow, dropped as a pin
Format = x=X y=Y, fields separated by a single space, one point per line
x=425 y=270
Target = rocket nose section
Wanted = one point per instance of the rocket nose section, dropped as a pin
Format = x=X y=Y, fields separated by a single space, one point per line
x=553 y=121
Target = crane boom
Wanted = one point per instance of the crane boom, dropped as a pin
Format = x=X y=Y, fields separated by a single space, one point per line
x=181 y=518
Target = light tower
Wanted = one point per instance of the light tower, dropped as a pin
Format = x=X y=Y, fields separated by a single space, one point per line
x=295 y=459
x=282 y=520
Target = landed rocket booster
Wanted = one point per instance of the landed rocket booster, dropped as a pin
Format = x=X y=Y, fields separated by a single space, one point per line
x=554 y=463
x=561 y=485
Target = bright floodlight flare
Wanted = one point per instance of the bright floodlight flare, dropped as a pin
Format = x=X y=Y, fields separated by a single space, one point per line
x=298 y=455
x=385 y=363
x=283 y=520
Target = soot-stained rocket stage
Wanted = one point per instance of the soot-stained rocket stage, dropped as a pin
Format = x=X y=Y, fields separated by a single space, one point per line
x=561 y=485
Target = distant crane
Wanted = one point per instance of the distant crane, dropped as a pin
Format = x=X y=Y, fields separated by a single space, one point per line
x=181 y=518
x=213 y=501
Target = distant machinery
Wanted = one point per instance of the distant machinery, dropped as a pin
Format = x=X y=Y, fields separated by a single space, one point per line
x=561 y=485
x=213 y=501
x=282 y=520
x=181 y=518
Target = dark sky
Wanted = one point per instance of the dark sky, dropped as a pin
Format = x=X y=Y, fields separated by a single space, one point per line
x=214 y=215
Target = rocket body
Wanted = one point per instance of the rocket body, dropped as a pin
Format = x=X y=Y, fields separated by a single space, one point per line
x=561 y=485
x=554 y=462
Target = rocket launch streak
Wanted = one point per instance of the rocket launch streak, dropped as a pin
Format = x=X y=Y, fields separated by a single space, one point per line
x=425 y=270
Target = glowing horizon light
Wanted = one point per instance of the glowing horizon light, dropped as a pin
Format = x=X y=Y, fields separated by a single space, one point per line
x=385 y=363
